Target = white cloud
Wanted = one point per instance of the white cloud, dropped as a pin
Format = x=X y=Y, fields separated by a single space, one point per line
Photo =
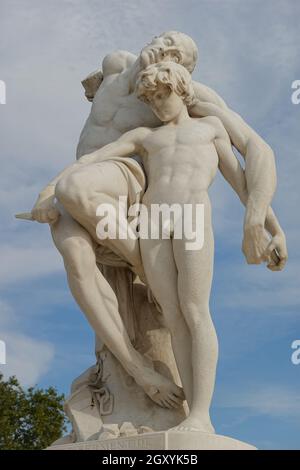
x=26 y=357
x=258 y=289
x=25 y=263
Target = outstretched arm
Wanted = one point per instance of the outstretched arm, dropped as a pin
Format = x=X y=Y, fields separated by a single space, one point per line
x=261 y=247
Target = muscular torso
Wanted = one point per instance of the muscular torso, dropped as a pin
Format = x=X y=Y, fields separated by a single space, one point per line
x=180 y=162
x=114 y=111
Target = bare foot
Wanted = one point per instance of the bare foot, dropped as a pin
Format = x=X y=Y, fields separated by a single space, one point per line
x=191 y=424
x=161 y=390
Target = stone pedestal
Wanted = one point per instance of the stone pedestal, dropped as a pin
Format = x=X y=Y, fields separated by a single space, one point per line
x=165 y=440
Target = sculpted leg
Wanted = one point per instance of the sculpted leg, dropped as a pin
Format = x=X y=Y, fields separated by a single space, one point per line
x=161 y=273
x=99 y=303
x=194 y=283
x=84 y=190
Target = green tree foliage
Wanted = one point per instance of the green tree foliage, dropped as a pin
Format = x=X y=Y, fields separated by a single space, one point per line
x=29 y=419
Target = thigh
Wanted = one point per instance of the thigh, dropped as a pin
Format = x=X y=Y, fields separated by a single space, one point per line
x=161 y=272
x=93 y=191
x=102 y=178
x=195 y=270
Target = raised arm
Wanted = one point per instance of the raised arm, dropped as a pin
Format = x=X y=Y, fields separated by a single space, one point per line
x=262 y=248
x=113 y=63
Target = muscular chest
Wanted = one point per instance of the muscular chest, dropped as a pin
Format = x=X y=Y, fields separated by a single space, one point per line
x=186 y=137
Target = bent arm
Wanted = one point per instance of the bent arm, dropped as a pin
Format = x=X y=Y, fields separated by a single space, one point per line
x=260 y=171
x=205 y=94
x=233 y=172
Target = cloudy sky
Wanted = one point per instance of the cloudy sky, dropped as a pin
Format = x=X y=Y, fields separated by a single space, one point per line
x=249 y=53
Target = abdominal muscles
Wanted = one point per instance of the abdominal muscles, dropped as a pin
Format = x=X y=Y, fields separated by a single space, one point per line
x=180 y=178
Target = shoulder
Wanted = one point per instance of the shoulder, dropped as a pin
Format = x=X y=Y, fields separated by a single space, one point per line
x=112 y=64
x=208 y=95
x=216 y=123
x=117 y=62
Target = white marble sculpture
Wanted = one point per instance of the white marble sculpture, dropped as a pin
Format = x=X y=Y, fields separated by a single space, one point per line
x=148 y=299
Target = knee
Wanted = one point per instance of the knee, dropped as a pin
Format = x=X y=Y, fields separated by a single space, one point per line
x=69 y=189
x=197 y=315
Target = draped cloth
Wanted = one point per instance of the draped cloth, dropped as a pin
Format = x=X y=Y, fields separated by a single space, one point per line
x=115 y=269
x=136 y=179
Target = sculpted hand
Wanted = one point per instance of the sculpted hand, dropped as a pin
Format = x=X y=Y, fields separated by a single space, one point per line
x=257 y=248
x=254 y=244
x=44 y=210
x=277 y=243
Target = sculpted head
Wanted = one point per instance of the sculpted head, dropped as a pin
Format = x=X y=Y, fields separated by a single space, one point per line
x=166 y=87
x=170 y=46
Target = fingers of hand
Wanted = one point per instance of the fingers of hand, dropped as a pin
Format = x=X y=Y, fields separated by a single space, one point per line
x=44 y=216
x=270 y=248
x=252 y=255
x=277 y=266
x=53 y=215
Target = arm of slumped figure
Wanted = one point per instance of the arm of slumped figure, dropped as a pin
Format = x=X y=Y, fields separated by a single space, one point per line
x=205 y=94
x=260 y=170
x=44 y=210
x=262 y=248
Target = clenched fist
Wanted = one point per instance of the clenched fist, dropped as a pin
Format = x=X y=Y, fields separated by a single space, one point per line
x=44 y=210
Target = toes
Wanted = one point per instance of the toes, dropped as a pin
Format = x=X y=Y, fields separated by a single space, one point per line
x=179 y=393
x=176 y=399
x=158 y=400
x=166 y=404
x=175 y=403
x=172 y=403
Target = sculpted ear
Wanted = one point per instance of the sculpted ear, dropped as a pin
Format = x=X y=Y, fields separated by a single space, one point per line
x=91 y=84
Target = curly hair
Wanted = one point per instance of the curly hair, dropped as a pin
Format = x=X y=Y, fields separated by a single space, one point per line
x=171 y=74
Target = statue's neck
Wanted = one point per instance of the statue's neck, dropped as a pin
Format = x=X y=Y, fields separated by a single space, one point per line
x=180 y=119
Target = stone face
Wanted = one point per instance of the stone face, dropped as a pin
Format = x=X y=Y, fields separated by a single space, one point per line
x=138 y=294
x=167 y=440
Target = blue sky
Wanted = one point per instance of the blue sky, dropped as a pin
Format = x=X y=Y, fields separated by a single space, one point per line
x=249 y=53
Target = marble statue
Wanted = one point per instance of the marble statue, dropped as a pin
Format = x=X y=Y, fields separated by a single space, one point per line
x=153 y=136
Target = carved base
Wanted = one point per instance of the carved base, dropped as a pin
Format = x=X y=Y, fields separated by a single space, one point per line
x=165 y=440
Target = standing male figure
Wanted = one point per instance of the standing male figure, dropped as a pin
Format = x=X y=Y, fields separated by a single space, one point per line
x=116 y=109
x=181 y=159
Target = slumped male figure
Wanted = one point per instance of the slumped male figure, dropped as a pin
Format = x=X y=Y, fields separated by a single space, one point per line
x=115 y=110
x=181 y=159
